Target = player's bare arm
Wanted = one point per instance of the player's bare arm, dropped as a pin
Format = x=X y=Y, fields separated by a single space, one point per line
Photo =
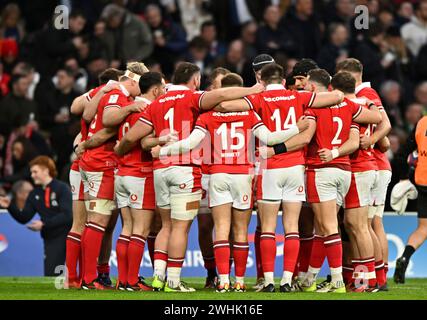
x=182 y=146
x=152 y=141
x=90 y=107
x=380 y=132
x=78 y=105
x=302 y=139
x=77 y=139
x=383 y=145
x=295 y=143
x=327 y=99
x=96 y=140
x=212 y=98
x=133 y=136
x=348 y=147
x=369 y=116
x=114 y=116
x=272 y=138
x=233 y=106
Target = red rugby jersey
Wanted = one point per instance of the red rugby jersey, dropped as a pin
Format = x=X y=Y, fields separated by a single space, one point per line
x=363 y=159
x=280 y=109
x=333 y=126
x=137 y=162
x=232 y=141
x=365 y=90
x=103 y=157
x=177 y=111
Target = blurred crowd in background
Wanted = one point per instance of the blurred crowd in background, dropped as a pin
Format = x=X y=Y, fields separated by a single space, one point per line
x=42 y=69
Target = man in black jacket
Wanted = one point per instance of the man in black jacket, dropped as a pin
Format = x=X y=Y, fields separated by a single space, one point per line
x=51 y=199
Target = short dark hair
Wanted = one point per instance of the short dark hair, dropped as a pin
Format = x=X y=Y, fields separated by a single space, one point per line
x=109 y=74
x=184 y=72
x=14 y=79
x=68 y=71
x=375 y=29
x=205 y=24
x=302 y=67
x=148 y=80
x=350 y=65
x=77 y=13
x=417 y=5
x=344 y=82
x=232 y=80
x=272 y=73
x=216 y=72
x=261 y=60
x=198 y=43
x=320 y=76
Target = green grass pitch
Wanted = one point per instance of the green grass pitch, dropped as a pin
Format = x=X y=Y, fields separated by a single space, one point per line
x=38 y=288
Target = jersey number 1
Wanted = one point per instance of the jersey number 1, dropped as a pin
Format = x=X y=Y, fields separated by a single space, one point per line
x=169 y=116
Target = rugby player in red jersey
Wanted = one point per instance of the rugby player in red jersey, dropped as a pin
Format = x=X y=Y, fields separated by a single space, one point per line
x=358 y=199
x=282 y=178
x=306 y=218
x=204 y=217
x=134 y=188
x=231 y=168
x=329 y=176
x=257 y=64
x=326 y=188
x=84 y=102
x=177 y=179
x=97 y=167
x=379 y=140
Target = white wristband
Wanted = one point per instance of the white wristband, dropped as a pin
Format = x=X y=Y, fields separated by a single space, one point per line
x=163 y=152
x=335 y=153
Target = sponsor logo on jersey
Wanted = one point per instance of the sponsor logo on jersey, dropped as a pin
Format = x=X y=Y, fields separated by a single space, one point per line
x=172 y=98
x=279 y=98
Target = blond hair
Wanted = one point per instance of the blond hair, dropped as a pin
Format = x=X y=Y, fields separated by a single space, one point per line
x=137 y=67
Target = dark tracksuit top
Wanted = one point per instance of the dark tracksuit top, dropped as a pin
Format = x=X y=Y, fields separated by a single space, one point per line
x=54 y=205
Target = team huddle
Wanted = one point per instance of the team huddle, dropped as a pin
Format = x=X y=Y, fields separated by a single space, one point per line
x=160 y=155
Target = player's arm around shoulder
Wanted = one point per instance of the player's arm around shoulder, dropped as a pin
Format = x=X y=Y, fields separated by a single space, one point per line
x=90 y=105
x=138 y=131
x=78 y=105
x=96 y=140
x=304 y=138
x=115 y=114
x=210 y=99
x=370 y=115
x=295 y=143
x=326 y=99
x=152 y=141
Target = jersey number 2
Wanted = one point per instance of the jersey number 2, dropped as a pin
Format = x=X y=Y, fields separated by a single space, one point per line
x=337 y=139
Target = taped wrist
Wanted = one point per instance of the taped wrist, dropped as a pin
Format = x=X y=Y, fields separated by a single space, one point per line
x=280 y=148
x=335 y=153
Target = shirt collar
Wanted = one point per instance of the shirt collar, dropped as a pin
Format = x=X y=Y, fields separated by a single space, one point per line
x=363 y=85
x=123 y=89
x=143 y=99
x=275 y=86
x=176 y=87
